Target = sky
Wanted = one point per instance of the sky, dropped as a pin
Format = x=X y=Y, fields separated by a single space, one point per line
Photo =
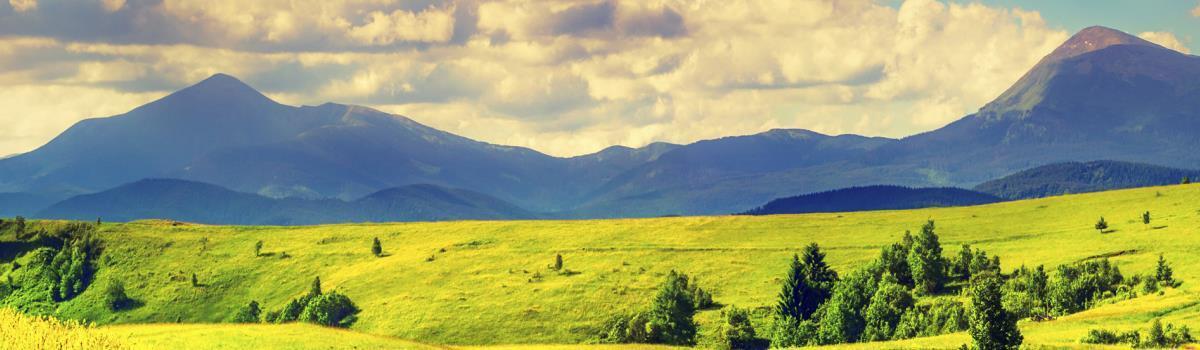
x=562 y=77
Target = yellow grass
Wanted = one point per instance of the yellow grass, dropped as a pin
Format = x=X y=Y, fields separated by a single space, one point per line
x=23 y=332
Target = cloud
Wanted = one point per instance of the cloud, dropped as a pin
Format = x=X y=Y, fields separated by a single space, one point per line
x=563 y=77
x=23 y=5
x=1196 y=10
x=1166 y=39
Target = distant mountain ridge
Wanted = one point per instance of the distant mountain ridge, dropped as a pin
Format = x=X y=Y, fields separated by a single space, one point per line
x=1103 y=94
x=879 y=197
x=206 y=203
x=1078 y=177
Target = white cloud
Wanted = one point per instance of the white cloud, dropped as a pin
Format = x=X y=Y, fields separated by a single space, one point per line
x=1196 y=10
x=1166 y=39
x=569 y=77
x=23 y=5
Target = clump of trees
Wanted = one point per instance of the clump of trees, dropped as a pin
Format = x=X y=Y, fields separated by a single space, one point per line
x=668 y=320
x=1157 y=336
x=61 y=267
x=115 y=298
x=735 y=332
x=328 y=309
x=251 y=313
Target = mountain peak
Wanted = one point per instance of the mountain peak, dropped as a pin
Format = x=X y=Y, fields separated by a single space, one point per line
x=219 y=88
x=1094 y=38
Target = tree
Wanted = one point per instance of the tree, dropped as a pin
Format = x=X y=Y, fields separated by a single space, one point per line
x=809 y=284
x=961 y=267
x=315 y=290
x=888 y=304
x=258 y=248
x=841 y=320
x=558 y=263
x=991 y=326
x=195 y=282
x=736 y=332
x=1146 y=218
x=1155 y=338
x=98 y=221
x=790 y=310
x=115 y=298
x=1186 y=180
x=670 y=315
x=820 y=276
x=376 y=248
x=1101 y=225
x=926 y=261
x=249 y=313
x=1163 y=272
x=894 y=258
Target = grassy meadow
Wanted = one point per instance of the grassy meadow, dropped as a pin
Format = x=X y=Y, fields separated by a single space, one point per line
x=489 y=284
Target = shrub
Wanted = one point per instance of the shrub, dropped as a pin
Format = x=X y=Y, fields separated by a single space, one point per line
x=248 y=314
x=888 y=304
x=735 y=331
x=1104 y=336
x=330 y=309
x=558 y=262
x=258 y=248
x=115 y=298
x=842 y=318
x=376 y=248
x=1101 y=225
x=1077 y=287
x=667 y=321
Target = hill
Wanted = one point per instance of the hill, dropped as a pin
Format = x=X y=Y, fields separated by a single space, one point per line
x=1079 y=177
x=880 y=197
x=205 y=203
x=22 y=204
x=482 y=282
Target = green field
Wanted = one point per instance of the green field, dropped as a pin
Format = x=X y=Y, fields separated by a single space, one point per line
x=475 y=283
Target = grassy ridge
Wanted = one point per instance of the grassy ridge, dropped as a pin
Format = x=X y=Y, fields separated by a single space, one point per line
x=480 y=287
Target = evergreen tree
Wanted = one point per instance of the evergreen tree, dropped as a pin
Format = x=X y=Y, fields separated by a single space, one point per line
x=790 y=303
x=735 y=331
x=1101 y=225
x=820 y=277
x=558 y=262
x=258 y=248
x=376 y=248
x=1163 y=272
x=195 y=281
x=1146 y=218
x=926 y=261
x=315 y=290
x=1155 y=338
x=992 y=327
x=961 y=267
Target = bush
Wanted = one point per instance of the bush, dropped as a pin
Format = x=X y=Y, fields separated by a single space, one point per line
x=115 y=298
x=376 y=247
x=1078 y=286
x=735 y=331
x=1104 y=336
x=668 y=320
x=888 y=304
x=248 y=314
x=330 y=309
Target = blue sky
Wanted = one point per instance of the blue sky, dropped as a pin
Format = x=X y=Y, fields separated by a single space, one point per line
x=565 y=77
x=1133 y=16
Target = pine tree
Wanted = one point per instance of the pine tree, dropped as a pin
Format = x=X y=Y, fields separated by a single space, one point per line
x=926 y=261
x=1101 y=225
x=820 y=277
x=195 y=281
x=558 y=262
x=1155 y=338
x=671 y=312
x=962 y=266
x=1146 y=218
x=315 y=290
x=790 y=303
x=376 y=248
x=1163 y=273
x=992 y=327
x=258 y=248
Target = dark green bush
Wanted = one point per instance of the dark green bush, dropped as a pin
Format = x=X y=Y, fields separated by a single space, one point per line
x=330 y=309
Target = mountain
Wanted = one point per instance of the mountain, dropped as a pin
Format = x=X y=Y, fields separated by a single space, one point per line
x=882 y=197
x=206 y=203
x=1102 y=95
x=1078 y=177
x=223 y=132
x=22 y=204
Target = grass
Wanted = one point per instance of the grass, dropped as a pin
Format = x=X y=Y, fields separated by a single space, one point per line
x=473 y=283
x=20 y=331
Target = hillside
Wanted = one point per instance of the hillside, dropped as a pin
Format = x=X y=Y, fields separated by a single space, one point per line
x=1077 y=177
x=205 y=203
x=881 y=197
x=477 y=282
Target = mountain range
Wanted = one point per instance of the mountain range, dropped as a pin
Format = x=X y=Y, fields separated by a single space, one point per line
x=1102 y=95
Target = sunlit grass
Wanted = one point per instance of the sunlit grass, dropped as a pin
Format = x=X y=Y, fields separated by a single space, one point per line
x=24 y=332
x=475 y=283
